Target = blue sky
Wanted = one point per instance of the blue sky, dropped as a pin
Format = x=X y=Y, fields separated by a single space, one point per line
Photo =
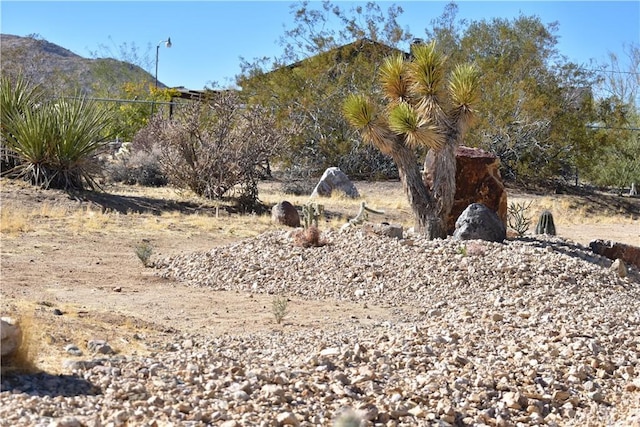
x=209 y=36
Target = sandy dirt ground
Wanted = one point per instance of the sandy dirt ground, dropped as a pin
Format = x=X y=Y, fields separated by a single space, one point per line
x=76 y=277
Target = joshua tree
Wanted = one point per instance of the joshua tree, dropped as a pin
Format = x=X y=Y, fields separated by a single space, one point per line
x=422 y=110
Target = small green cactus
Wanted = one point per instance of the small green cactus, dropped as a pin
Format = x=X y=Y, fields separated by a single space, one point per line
x=311 y=212
x=545 y=224
x=363 y=215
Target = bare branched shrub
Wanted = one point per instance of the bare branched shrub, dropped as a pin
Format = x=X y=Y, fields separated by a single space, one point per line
x=523 y=147
x=518 y=219
x=218 y=147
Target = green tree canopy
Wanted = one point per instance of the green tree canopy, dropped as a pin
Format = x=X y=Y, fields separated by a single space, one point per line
x=325 y=63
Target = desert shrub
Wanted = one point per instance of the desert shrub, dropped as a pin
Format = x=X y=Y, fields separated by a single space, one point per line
x=298 y=180
x=297 y=186
x=366 y=162
x=140 y=166
x=217 y=147
x=56 y=142
x=144 y=252
x=279 y=308
x=518 y=219
x=308 y=237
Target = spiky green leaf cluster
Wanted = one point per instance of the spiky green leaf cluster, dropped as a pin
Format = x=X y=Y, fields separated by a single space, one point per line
x=426 y=71
x=403 y=118
x=463 y=85
x=358 y=111
x=393 y=79
x=55 y=140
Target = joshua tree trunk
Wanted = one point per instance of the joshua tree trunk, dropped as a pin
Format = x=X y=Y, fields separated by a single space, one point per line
x=422 y=202
x=443 y=185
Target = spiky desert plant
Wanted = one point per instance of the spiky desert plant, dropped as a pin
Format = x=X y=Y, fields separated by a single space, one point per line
x=423 y=109
x=517 y=217
x=545 y=224
x=311 y=213
x=279 y=306
x=16 y=97
x=55 y=140
x=144 y=251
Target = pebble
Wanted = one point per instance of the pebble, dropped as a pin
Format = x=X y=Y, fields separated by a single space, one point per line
x=562 y=350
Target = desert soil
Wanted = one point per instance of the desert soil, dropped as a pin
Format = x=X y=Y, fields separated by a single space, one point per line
x=82 y=264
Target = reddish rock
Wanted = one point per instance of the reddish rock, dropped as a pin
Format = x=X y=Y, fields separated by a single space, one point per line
x=478 y=180
x=614 y=250
x=284 y=213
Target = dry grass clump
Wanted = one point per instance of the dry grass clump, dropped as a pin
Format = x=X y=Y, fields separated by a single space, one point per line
x=17 y=219
x=308 y=237
x=23 y=361
x=10 y=223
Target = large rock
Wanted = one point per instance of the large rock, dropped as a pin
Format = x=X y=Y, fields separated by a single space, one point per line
x=481 y=223
x=334 y=179
x=284 y=213
x=11 y=336
x=614 y=250
x=478 y=180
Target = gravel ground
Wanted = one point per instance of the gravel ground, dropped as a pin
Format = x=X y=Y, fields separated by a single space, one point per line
x=529 y=332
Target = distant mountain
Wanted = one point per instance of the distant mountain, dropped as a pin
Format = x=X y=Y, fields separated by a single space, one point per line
x=63 y=71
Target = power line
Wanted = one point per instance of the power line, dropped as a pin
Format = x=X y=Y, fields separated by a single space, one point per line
x=610 y=71
x=131 y=101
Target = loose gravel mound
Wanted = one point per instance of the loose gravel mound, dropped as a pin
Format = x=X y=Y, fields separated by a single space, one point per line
x=529 y=332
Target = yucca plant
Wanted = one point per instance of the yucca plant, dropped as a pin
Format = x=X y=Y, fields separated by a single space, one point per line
x=56 y=141
x=15 y=98
x=424 y=109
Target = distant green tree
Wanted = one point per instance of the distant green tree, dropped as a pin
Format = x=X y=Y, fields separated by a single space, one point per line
x=616 y=127
x=140 y=99
x=534 y=105
x=307 y=85
x=536 y=111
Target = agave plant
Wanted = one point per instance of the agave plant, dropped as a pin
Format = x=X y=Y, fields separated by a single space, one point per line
x=423 y=109
x=56 y=141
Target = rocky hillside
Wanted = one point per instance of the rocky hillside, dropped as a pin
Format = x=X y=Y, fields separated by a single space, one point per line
x=61 y=70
